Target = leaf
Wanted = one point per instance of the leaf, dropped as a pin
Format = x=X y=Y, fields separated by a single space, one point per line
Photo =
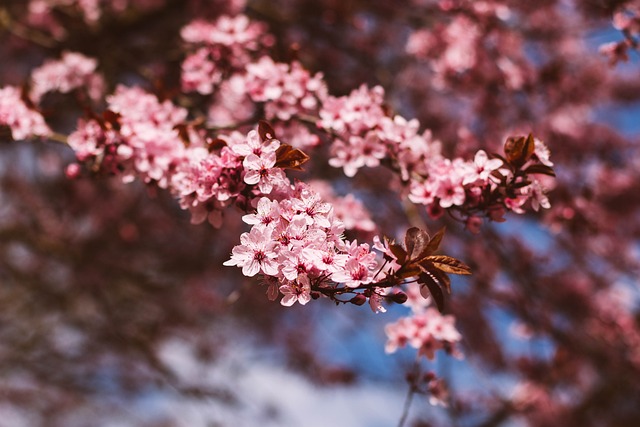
x=112 y=118
x=417 y=243
x=449 y=264
x=265 y=131
x=288 y=157
x=434 y=243
x=521 y=184
x=518 y=150
x=215 y=144
x=430 y=283
x=438 y=275
x=183 y=133
x=408 y=270
x=399 y=252
x=499 y=176
x=539 y=168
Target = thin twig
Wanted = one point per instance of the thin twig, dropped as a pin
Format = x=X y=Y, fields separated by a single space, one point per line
x=410 y=393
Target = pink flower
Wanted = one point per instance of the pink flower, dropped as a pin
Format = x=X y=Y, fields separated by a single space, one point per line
x=252 y=144
x=311 y=208
x=538 y=198
x=481 y=168
x=296 y=291
x=268 y=212
x=450 y=192
x=256 y=252
x=542 y=152
x=359 y=267
x=261 y=171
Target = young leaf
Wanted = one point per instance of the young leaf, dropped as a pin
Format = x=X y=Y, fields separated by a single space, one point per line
x=417 y=242
x=112 y=118
x=430 y=284
x=449 y=264
x=437 y=275
x=539 y=168
x=288 y=157
x=183 y=133
x=265 y=131
x=215 y=144
x=399 y=252
x=518 y=150
x=434 y=243
x=408 y=270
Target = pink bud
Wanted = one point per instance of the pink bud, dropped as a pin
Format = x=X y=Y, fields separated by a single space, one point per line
x=72 y=171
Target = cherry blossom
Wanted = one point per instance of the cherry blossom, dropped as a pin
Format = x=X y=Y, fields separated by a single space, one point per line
x=256 y=253
x=72 y=71
x=22 y=120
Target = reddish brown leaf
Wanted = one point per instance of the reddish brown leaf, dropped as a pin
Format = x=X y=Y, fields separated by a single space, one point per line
x=541 y=169
x=434 y=243
x=429 y=283
x=265 y=131
x=399 y=252
x=112 y=118
x=518 y=150
x=215 y=144
x=183 y=133
x=449 y=264
x=416 y=241
x=408 y=270
x=288 y=157
x=437 y=274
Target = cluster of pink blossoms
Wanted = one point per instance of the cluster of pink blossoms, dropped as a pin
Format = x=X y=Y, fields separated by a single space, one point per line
x=23 y=121
x=223 y=47
x=230 y=64
x=425 y=330
x=286 y=89
x=72 y=71
x=365 y=135
x=295 y=241
x=458 y=47
x=140 y=140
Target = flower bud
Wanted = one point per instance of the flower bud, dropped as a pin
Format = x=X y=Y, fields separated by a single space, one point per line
x=72 y=171
x=398 y=297
x=359 y=299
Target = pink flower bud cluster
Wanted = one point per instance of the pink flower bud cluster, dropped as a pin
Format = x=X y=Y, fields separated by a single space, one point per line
x=223 y=47
x=72 y=71
x=23 y=121
x=425 y=329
